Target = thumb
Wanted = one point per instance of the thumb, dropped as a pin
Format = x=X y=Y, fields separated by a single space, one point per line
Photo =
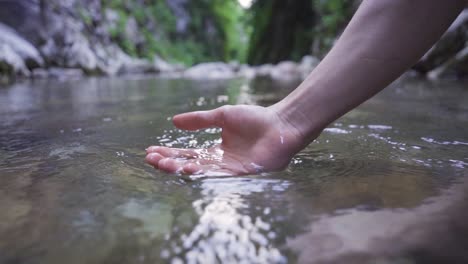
x=199 y=119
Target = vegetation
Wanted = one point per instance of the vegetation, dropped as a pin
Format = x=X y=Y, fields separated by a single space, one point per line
x=190 y=32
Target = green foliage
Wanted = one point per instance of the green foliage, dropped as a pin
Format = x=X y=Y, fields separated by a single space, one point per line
x=231 y=18
x=85 y=16
x=216 y=30
x=332 y=18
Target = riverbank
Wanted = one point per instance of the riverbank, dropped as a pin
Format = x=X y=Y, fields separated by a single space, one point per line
x=61 y=40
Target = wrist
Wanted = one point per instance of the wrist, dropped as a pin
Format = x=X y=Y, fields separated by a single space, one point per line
x=302 y=124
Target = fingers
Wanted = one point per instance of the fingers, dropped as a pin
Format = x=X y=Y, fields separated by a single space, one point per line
x=166 y=164
x=200 y=119
x=191 y=168
x=188 y=167
x=173 y=152
x=153 y=159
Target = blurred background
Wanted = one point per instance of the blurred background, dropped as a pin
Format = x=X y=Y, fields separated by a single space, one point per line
x=50 y=38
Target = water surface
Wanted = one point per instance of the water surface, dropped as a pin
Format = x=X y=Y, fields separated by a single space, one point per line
x=383 y=183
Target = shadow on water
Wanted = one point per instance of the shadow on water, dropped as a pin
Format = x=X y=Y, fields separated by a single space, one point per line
x=383 y=183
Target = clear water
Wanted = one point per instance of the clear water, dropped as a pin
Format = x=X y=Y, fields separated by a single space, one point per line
x=384 y=183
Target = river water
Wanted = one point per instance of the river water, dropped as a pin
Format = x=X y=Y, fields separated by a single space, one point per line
x=385 y=183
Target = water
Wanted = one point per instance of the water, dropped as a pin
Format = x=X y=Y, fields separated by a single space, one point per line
x=385 y=183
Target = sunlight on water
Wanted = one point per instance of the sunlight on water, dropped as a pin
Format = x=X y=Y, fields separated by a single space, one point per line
x=223 y=232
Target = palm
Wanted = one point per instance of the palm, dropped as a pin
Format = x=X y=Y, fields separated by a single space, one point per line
x=253 y=140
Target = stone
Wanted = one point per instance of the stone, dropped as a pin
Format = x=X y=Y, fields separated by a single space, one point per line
x=455 y=68
x=80 y=55
x=443 y=56
x=307 y=64
x=286 y=71
x=11 y=63
x=58 y=73
x=163 y=66
x=134 y=66
x=210 y=70
x=131 y=32
x=25 y=50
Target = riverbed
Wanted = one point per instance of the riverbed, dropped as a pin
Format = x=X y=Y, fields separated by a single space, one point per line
x=386 y=182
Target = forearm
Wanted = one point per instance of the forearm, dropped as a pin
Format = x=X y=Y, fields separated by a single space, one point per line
x=384 y=38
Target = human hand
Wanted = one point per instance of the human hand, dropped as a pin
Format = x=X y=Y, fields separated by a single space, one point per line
x=254 y=139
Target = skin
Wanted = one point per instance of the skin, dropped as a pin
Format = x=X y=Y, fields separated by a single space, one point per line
x=383 y=40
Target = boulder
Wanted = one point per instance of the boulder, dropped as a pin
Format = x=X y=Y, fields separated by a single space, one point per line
x=454 y=68
x=131 y=32
x=308 y=63
x=57 y=73
x=21 y=47
x=11 y=63
x=163 y=66
x=134 y=65
x=80 y=55
x=443 y=58
x=210 y=70
x=286 y=71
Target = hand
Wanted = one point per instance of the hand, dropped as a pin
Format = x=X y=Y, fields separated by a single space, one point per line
x=254 y=139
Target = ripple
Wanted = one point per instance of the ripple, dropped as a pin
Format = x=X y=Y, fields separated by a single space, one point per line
x=335 y=130
x=433 y=141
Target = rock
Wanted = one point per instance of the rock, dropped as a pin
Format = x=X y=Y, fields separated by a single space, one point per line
x=131 y=32
x=80 y=55
x=286 y=71
x=210 y=70
x=25 y=50
x=443 y=56
x=110 y=58
x=133 y=66
x=161 y=65
x=308 y=63
x=455 y=68
x=11 y=63
x=246 y=71
x=58 y=73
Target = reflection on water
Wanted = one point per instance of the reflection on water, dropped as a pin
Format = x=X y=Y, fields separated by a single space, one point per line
x=379 y=184
x=225 y=232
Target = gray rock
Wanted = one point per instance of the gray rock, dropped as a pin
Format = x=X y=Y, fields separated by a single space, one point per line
x=58 y=73
x=28 y=53
x=134 y=66
x=131 y=32
x=264 y=71
x=308 y=63
x=442 y=57
x=246 y=71
x=286 y=71
x=80 y=55
x=11 y=63
x=455 y=68
x=163 y=66
x=210 y=70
